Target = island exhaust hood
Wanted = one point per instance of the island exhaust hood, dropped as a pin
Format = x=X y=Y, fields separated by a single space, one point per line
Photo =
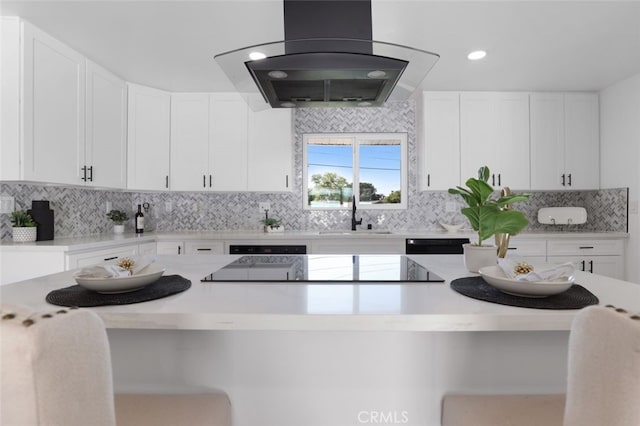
x=328 y=59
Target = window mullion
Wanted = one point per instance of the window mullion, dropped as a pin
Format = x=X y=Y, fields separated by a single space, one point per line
x=356 y=170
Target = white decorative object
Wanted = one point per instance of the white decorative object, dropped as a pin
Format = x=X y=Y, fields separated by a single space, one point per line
x=118 y=229
x=562 y=215
x=476 y=257
x=453 y=228
x=495 y=276
x=24 y=234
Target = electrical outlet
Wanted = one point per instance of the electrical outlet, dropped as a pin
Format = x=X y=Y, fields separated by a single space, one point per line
x=264 y=207
x=7 y=204
x=450 y=207
x=108 y=206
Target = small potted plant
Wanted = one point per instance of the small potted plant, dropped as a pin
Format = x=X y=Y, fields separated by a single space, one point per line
x=271 y=224
x=119 y=218
x=23 y=226
x=488 y=216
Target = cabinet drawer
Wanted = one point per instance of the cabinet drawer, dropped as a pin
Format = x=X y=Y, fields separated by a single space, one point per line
x=528 y=247
x=584 y=247
x=81 y=260
x=170 y=247
x=204 y=247
x=361 y=246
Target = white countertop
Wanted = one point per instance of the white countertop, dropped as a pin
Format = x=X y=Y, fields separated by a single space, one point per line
x=296 y=306
x=92 y=242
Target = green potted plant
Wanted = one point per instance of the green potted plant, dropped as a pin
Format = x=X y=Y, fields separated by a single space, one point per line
x=271 y=224
x=488 y=216
x=119 y=218
x=23 y=227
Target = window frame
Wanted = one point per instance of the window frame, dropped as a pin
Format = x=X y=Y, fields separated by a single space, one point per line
x=357 y=138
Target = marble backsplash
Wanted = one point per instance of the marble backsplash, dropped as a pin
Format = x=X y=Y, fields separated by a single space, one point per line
x=82 y=211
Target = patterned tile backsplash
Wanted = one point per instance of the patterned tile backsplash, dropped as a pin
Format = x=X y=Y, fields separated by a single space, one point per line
x=81 y=211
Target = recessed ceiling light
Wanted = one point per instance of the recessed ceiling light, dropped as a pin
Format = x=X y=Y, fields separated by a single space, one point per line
x=475 y=55
x=277 y=74
x=255 y=56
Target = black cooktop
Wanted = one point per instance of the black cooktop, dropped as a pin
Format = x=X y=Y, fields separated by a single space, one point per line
x=370 y=268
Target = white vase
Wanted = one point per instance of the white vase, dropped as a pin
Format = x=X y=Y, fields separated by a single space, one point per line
x=476 y=257
x=24 y=234
x=118 y=229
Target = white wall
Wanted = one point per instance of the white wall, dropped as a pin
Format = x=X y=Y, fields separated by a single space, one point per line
x=620 y=155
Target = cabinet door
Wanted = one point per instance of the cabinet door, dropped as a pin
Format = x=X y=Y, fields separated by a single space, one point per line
x=512 y=140
x=106 y=130
x=547 y=141
x=53 y=107
x=170 y=247
x=95 y=257
x=609 y=266
x=477 y=134
x=494 y=131
x=10 y=77
x=582 y=140
x=190 y=142
x=439 y=144
x=228 y=149
x=148 y=138
x=270 y=150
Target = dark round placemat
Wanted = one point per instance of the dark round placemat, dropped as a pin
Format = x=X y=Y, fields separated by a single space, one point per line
x=81 y=297
x=576 y=297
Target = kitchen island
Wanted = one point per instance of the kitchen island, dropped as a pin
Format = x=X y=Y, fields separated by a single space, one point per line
x=333 y=354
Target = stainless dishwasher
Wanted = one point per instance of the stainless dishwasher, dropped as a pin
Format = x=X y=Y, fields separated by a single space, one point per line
x=435 y=245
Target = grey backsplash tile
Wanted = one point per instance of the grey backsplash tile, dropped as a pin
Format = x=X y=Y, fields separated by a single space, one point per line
x=81 y=211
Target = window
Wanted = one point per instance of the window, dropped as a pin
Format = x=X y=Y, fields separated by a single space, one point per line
x=368 y=166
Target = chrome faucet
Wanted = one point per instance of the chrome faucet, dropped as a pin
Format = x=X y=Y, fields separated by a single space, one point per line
x=354 y=222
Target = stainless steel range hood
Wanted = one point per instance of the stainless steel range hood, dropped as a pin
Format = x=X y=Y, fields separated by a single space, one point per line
x=327 y=59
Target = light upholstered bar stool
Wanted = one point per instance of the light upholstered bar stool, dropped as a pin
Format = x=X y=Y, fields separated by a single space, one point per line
x=56 y=370
x=603 y=384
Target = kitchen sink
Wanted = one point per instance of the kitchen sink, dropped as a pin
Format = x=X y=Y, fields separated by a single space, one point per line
x=360 y=231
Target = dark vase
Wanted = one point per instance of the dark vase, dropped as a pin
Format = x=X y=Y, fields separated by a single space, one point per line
x=43 y=216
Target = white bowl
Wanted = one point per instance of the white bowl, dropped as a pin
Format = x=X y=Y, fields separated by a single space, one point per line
x=451 y=227
x=122 y=284
x=495 y=276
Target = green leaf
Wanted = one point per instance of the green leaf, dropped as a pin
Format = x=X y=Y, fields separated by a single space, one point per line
x=483 y=173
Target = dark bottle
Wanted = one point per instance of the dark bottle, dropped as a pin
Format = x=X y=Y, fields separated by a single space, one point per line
x=43 y=216
x=139 y=220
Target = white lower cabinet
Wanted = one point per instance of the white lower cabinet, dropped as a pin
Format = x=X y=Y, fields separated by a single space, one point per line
x=358 y=246
x=147 y=249
x=93 y=257
x=170 y=247
x=603 y=257
x=204 y=247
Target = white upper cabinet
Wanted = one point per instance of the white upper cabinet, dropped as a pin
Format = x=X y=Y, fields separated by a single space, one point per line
x=439 y=141
x=190 y=142
x=228 y=149
x=270 y=154
x=564 y=141
x=44 y=135
x=494 y=131
x=148 y=161
x=106 y=129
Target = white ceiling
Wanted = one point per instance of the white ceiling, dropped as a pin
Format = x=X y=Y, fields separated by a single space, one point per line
x=531 y=45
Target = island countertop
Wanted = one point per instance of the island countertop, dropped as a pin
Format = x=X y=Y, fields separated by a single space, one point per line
x=318 y=306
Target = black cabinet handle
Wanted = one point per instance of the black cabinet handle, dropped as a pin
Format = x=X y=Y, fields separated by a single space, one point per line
x=569 y=180
x=563 y=184
x=585 y=247
x=209 y=181
x=499 y=179
x=110 y=258
x=91 y=173
x=583 y=265
x=591 y=266
x=204 y=249
x=493 y=180
x=84 y=173
x=204 y=181
x=428 y=179
x=166 y=181
x=512 y=248
x=286 y=181
x=181 y=247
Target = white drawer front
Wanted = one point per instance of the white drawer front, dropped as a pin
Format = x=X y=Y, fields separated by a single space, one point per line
x=584 y=247
x=204 y=247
